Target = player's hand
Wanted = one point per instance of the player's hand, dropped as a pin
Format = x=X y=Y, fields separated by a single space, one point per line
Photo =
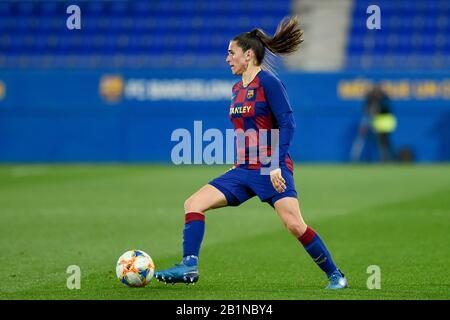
x=278 y=181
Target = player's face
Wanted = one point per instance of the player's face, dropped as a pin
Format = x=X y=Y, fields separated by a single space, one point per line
x=236 y=58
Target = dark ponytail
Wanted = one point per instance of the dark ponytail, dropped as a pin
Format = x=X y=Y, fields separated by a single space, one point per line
x=286 y=40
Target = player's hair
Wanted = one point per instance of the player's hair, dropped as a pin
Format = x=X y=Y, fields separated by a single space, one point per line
x=286 y=40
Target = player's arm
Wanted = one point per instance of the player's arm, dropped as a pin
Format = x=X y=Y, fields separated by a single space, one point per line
x=277 y=98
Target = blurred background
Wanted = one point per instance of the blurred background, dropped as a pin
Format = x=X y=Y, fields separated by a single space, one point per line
x=116 y=89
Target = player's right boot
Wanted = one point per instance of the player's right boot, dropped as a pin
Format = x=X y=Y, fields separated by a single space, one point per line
x=184 y=272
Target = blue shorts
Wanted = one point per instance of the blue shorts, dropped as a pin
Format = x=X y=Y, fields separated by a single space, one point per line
x=238 y=185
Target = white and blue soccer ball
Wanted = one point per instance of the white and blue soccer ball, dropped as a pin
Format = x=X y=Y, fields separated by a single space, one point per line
x=135 y=268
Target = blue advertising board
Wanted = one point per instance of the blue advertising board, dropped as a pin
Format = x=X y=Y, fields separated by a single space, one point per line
x=130 y=115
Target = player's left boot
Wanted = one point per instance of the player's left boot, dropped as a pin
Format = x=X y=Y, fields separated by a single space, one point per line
x=337 y=281
x=184 y=272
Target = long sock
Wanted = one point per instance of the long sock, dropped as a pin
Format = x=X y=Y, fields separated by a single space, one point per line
x=318 y=251
x=194 y=229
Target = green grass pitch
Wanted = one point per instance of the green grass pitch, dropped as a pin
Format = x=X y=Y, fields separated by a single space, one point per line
x=53 y=216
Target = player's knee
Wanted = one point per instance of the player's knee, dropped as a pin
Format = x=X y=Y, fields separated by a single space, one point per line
x=188 y=204
x=295 y=226
x=193 y=204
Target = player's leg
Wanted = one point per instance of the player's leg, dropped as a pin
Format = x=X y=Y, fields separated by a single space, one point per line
x=288 y=209
x=207 y=197
x=226 y=190
x=195 y=207
x=290 y=215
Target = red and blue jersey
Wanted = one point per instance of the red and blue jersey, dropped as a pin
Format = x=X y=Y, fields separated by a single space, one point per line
x=262 y=104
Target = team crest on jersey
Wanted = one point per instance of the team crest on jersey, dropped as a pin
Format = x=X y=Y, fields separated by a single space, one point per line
x=250 y=93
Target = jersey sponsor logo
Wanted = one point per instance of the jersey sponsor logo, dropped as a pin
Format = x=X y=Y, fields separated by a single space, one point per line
x=240 y=109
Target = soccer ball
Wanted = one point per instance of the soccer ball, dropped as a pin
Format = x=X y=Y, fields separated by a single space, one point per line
x=135 y=268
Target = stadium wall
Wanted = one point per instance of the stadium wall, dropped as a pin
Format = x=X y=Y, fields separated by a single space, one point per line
x=129 y=116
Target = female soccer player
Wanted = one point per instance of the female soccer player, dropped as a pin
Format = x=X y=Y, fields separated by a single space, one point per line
x=259 y=101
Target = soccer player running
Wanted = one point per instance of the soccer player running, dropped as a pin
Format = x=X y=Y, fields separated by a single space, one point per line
x=259 y=101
